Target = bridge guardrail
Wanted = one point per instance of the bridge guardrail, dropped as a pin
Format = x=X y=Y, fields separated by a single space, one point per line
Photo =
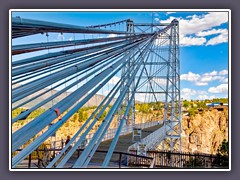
x=167 y=159
x=151 y=140
x=109 y=134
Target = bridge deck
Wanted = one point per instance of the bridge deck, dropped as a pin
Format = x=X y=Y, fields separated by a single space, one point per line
x=122 y=146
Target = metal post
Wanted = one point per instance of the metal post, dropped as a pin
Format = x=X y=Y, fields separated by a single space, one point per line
x=120 y=159
x=29 y=160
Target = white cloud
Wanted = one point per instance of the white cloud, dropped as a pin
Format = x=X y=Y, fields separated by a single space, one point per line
x=213 y=73
x=203 y=97
x=220 y=78
x=208 y=78
x=223 y=72
x=222 y=38
x=114 y=80
x=160 y=81
x=190 y=77
x=193 y=29
x=197 y=83
x=204 y=79
x=225 y=80
x=156 y=19
x=192 y=41
x=199 y=23
x=187 y=93
x=140 y=97
x=187 y=90
x=212 y=32
x=222 y=88
x=70 y=39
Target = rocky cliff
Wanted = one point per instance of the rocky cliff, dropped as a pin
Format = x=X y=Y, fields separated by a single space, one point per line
x=205 y=131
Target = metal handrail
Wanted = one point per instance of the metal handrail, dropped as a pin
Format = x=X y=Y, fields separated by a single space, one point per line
x=151 y=140
x=101 y=151
x=109 y=134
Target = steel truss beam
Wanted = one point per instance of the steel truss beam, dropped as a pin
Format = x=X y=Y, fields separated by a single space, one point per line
x=24 y=27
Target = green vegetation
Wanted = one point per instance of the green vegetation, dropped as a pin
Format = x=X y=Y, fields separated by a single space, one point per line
x=223 y=100
x=192 y=106
x=81 y=115
x=16 y=112
x=33 y=115
x=222 y=154
x=36 y=113
x=186 y=104
x=146 y=107
x=192 y=111
x=223 y=149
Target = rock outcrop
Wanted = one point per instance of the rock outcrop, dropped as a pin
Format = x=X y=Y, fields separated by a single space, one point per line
x=205 y=131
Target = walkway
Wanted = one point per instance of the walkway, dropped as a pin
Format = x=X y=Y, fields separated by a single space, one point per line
x=122 y=146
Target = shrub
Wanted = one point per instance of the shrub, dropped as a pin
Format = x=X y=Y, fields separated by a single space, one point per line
x=191 y=111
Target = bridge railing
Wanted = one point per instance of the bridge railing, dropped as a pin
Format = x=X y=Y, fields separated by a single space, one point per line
x=166 y=159
x=109 y=134
x=119 y=160
x=151 y=141
x=153 y=159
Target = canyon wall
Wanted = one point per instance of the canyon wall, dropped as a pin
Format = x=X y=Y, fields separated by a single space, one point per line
x=205 y=131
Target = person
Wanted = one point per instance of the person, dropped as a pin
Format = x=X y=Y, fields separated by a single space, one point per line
x=68 y=139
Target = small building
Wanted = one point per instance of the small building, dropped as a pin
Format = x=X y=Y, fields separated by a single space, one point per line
x=214 y=104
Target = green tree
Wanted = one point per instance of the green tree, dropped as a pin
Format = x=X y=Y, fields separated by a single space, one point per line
x=137 y=107
x=75 y=117
x=222 y=100
x=145 y=108
x=191 y=111
x=201 y=104
x=186 y=104
x=82 y=115
x=223 y=148
x=222 y=153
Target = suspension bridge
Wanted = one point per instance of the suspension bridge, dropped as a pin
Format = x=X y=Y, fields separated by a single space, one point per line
x=143 y=57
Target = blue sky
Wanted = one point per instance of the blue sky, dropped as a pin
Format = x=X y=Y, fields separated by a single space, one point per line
x=203 y=39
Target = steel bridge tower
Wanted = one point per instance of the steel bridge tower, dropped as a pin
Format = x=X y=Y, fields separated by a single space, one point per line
x=127 y=70
x=172 y=107
x=162 y=74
